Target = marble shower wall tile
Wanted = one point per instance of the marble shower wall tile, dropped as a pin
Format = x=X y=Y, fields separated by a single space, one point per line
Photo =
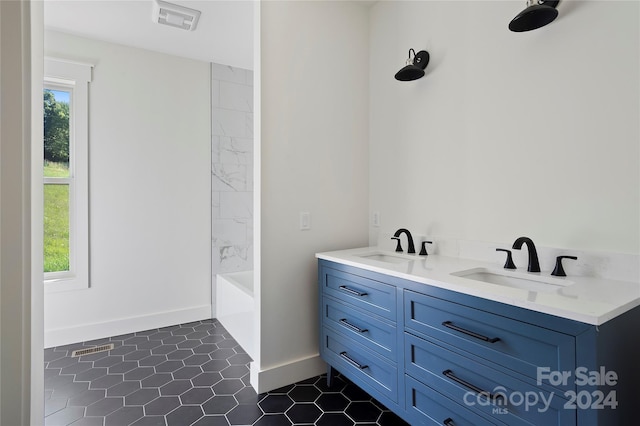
x=231 y=150
x=237 y=97
x=229 y=177
x=235 y=150
x=232 y=245
x=232 y=74
x=236 y=205
x=215 y=206
x=232 y=169
x=229 y=232
x=227 y=122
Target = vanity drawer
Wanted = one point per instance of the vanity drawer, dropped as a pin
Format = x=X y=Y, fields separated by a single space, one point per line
x=369 y=331
x=491 y=392
x=425 y=406
x=367 y=294
x=516 y=345
x=365 y=369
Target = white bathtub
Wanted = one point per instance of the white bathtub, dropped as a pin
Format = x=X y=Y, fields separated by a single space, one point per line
x=235 y=306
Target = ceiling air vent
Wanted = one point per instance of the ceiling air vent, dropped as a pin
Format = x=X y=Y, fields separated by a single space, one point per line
x=175 y=15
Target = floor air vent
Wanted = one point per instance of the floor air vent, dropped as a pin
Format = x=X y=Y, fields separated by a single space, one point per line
x=93 y=350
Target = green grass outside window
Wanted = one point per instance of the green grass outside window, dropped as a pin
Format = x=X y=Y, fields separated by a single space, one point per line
x=56 y=220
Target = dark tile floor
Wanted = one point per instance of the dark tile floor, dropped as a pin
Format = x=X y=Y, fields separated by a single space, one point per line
x=190 y=374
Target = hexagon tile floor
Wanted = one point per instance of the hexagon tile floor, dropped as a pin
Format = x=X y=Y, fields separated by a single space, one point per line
x=189 y=374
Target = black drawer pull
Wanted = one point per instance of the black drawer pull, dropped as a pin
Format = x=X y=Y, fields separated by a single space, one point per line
x=347 y=324
x=352 y=291
x=449 y=374
x=452 y=326
x=352 y=362
x=449 y=422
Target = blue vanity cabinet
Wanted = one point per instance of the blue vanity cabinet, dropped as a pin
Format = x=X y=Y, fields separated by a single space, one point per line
x=438 y=357
x=484 y=389
x=359 y=331
x=519 y=346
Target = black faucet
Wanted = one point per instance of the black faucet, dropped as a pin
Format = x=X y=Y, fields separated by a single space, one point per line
x=534 y=265
x=411 y=249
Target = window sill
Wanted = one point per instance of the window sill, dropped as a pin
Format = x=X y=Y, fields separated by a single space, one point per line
x=68 y=283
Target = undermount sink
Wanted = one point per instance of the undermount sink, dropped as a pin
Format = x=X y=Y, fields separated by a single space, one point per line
x=526 y=281
x=385 y=257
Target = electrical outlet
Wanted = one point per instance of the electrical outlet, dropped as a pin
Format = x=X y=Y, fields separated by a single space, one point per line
x=376 y=219
x=305 y=221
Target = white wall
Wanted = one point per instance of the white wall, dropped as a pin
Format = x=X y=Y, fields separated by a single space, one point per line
x=37 y=209
x=508 y=134
x=150 y=194
x=19 y=331
x=314 y=149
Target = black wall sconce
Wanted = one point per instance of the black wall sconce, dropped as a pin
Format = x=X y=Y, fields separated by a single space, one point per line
x=537 y=14
x=415 y=66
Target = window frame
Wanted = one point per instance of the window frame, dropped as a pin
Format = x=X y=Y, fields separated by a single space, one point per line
x=60 y=74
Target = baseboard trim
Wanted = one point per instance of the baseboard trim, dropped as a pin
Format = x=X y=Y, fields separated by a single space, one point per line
x=100 y=330
x=284 y=374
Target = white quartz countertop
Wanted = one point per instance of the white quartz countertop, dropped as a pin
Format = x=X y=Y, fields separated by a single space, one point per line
x=586 y=299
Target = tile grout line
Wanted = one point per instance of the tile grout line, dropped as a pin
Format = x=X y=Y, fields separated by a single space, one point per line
x=219 y=367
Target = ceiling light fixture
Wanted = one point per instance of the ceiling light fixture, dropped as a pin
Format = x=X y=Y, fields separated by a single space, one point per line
x=174 y=15
x=414 y=68
x=537 y=14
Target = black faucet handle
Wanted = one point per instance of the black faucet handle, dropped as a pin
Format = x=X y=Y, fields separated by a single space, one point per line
x=423 y=249
x=398 y=246
x=558 y=271
x=509 y=262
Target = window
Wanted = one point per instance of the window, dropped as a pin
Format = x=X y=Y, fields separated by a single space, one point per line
x=66 y=207
x=58 y=181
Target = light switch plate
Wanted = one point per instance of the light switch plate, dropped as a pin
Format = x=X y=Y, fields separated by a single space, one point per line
x=305 y=221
